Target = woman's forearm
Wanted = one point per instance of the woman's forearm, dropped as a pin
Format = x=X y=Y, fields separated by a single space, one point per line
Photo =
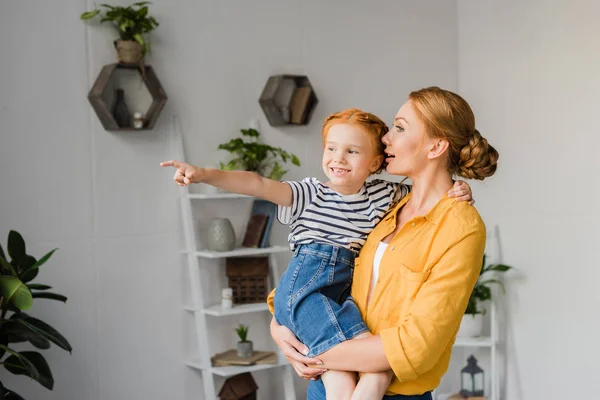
x=361 y=355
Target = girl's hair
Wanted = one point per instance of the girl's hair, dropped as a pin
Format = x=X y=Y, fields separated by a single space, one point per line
x=447 y=115
x=374 y=127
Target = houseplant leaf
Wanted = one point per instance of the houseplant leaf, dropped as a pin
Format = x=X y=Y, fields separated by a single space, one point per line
x=18 y=332
x=16 y=292
x=16 y=246
x=6 y=267
x=49 y=295
x=35 y=359
x=498 y=267
x=89 y=14
x=11 y=395
x=17 y=362
x=46 y=331
x=38 y=286
x=41 y=261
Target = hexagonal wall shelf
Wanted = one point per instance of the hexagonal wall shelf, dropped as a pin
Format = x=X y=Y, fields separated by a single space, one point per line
x=143 y=93
x=288 y=100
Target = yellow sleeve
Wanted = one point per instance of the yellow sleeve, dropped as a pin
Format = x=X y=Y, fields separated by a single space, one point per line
x=270 y=301
x=434 y=316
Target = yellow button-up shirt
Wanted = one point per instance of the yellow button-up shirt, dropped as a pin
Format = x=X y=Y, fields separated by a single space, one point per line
x=426 y=276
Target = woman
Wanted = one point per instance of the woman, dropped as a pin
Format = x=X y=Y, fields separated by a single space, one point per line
x=415 y=273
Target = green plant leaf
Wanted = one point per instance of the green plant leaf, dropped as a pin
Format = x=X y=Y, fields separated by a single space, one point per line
x=18 y=332
x=496 y=281
x=43 y=376
x=17 y=362
x=37 y=286
x=2 y=255
x=40 y=262
x=49 y=295
x=11 y=395
x=46 y=331
x=89 y=14
x=16 y=292
x=31 y=273
x=3 y=342
x=295 y=160
x=6 y=268
x=140 y=39
x=141 y=3
x=16 y=246
x=498 y=267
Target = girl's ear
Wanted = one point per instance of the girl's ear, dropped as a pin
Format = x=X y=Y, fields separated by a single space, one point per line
x=377 y=161
x=438 y=148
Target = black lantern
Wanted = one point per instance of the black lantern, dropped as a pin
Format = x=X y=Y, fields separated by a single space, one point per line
x=471 y=379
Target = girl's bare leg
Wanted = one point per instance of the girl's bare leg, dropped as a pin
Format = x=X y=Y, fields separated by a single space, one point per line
x=339 y=385
x=372 y=385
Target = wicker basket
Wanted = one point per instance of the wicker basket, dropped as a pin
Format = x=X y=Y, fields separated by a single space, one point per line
x=248 y=277
x=128 y=51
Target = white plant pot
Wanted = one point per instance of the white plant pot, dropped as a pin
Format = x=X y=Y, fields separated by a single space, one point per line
x=471 y=325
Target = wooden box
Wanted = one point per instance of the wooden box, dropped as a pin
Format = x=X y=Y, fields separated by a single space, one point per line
x=248 y=277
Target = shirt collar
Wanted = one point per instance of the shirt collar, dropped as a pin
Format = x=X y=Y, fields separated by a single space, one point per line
x=434 y=215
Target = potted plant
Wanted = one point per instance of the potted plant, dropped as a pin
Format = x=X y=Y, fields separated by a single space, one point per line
x=254 y=156
x=472 y=321
x=17 y=294
x=244 y=346
x=133 y=24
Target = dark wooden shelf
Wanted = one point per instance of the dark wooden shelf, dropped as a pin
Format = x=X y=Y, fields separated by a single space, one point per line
x=101 y=90
x=288 y=100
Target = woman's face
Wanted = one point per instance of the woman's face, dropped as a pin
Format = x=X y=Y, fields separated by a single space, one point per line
x=407 y=143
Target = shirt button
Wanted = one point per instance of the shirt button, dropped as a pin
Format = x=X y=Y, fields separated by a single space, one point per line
x=413 y=224
x=392 y=247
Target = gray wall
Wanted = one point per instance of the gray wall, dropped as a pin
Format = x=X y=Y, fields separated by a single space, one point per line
x=101 y=197
x=530 y=69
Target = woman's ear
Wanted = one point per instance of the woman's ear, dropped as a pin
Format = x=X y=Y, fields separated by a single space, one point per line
x=438 y=147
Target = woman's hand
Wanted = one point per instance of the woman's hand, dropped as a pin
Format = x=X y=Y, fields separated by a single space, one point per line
x=185 y=174
x=462 y=192
x=294 y=351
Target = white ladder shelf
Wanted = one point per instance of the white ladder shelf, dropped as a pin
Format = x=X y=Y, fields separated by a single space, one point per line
x=490 y=342
x=201 y=311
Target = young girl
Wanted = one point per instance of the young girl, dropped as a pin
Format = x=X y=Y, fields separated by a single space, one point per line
x=329 y=223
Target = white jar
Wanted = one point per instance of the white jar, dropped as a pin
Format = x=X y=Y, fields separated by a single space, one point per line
x=227 y=298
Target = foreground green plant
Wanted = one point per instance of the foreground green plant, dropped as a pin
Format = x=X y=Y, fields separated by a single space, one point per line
x=17 y=294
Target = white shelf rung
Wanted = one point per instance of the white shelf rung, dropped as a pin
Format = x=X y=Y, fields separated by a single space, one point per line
x=242 y=251
x=234 y=369
x=482 y=341
x=217 y=311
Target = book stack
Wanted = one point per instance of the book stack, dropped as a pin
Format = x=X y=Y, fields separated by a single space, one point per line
x=259 y=225
x=230 y=357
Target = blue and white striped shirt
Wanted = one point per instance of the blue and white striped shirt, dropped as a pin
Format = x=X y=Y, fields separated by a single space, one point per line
x=319 y=214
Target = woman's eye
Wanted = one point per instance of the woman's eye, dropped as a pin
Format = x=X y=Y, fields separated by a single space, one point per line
x=330 y=149
x=399 y=128
x=352 y=151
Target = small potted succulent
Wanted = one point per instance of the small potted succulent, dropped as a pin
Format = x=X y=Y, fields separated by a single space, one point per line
x=133 y=24
x=472 y=321
x=244 y=346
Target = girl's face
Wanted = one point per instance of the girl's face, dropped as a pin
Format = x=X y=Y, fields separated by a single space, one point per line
x=407 y=144
x=349 y=157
